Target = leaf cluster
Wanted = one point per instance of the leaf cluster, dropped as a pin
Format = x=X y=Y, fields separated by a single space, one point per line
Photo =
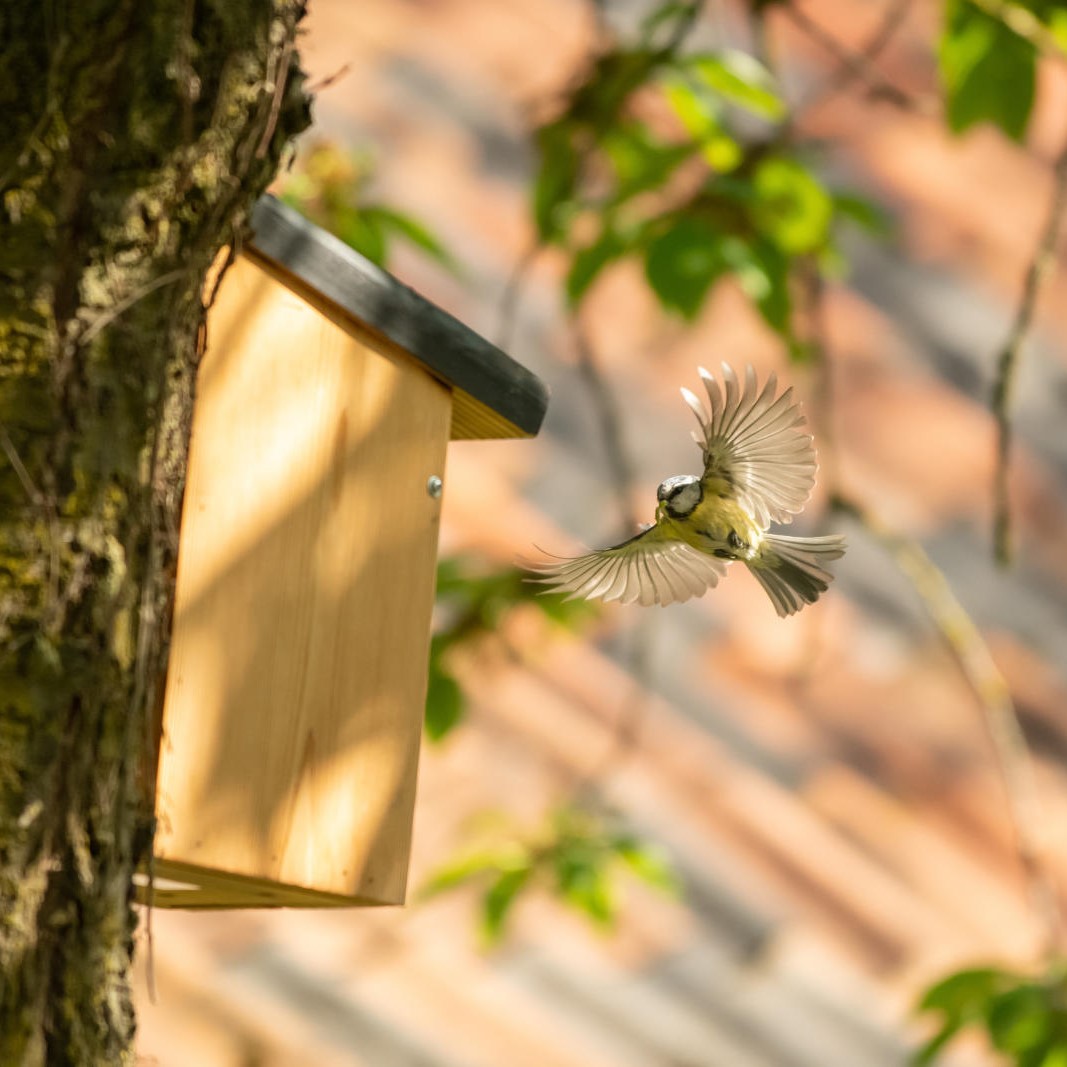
x=472 y=602
x=988 y=60
x=332 y=188
x=578 y=855
x=710 y=186
x=1023 y=1017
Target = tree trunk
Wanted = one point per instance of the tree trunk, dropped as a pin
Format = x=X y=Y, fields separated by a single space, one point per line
x=134 y=139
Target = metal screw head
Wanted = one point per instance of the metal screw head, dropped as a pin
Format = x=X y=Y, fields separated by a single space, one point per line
x=434 y=485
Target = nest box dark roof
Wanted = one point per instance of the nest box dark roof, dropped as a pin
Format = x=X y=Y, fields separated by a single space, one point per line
x=493 y=396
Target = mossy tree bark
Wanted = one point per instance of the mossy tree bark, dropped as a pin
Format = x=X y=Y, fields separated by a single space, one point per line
x=134 y=139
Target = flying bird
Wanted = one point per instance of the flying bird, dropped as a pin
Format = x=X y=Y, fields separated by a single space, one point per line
x=759 y=469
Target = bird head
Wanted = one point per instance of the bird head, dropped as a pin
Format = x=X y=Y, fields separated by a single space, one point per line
x=680 y=495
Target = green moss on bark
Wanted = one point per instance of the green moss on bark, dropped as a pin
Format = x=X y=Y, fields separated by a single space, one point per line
x=134 y=139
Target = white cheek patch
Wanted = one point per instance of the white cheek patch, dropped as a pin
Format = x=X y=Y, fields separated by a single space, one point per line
x=684 y=501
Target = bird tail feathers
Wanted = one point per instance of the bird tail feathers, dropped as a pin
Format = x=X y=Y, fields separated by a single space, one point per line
x=791 y=569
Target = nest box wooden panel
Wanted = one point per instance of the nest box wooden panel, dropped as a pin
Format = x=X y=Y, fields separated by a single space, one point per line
x=297 y=679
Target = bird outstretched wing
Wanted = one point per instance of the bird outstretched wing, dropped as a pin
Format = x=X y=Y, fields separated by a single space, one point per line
x=754 y=443
x=651 y=568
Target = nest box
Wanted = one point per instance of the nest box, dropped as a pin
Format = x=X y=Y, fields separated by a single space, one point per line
x=297 y=680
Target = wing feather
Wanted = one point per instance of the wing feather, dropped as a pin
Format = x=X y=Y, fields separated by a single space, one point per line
x=754 y=441
x=651 y=568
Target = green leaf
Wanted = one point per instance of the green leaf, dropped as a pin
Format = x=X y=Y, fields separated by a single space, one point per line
x=1057 y=24
x=461 y=870
x=682 y=263
x=414 y=231
x=556 y=184
x=1055 y=1055
x=445 y=704
x=1020 y=1019
x=614 y=78
x=792 y=206
x=362 y=231
x=591 y=260
x=864 y=212
x=667 y=13
x=988 y=72
x=762 y=271
x=738 y=78
x=961 y=999
x=500 y=899
x=592 y=893
x=475 y=600
x=700 y=116
x=565 y=612
x=640 y=161
x=580 y=859
x=932 y=1049
x=832 y=262
x=329 y=188
x=452 y=576
x=650 y=864
x=965 y=992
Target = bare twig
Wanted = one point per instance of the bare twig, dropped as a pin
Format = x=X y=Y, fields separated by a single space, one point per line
x=965 y=641
x=316 y=87
x=1039 y=268
x=812 y=299
x=281 y=78
x=684 y=26
x=512 y=293
x=36 y=497
x=638 y=658
x=856 y=66
x=956 y=627
x=847 y=73
x=988 y=684
x=610 y=424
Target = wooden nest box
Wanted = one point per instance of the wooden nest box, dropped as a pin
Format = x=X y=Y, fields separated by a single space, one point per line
x=297 y=679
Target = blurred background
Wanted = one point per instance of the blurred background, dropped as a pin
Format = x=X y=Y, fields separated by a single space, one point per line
x=703 y=835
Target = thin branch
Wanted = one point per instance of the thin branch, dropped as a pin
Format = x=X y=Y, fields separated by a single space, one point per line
x=956 y=627
x=857 y=66
x=281 y=79
x=512 y=294
x=970 y=650
x=610 y=424
x=316 y=87
x=1039 y=268
x=863 y=60
x=685 y=24
x=36 y=497
x=988 y=684
x=638 y=657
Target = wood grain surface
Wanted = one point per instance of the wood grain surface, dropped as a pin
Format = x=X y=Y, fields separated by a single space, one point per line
x=297 y=682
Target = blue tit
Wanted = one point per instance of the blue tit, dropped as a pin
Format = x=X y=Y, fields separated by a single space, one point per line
x=759 y=469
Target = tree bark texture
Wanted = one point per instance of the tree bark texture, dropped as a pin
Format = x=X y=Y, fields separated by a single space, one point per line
x=134 y=138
